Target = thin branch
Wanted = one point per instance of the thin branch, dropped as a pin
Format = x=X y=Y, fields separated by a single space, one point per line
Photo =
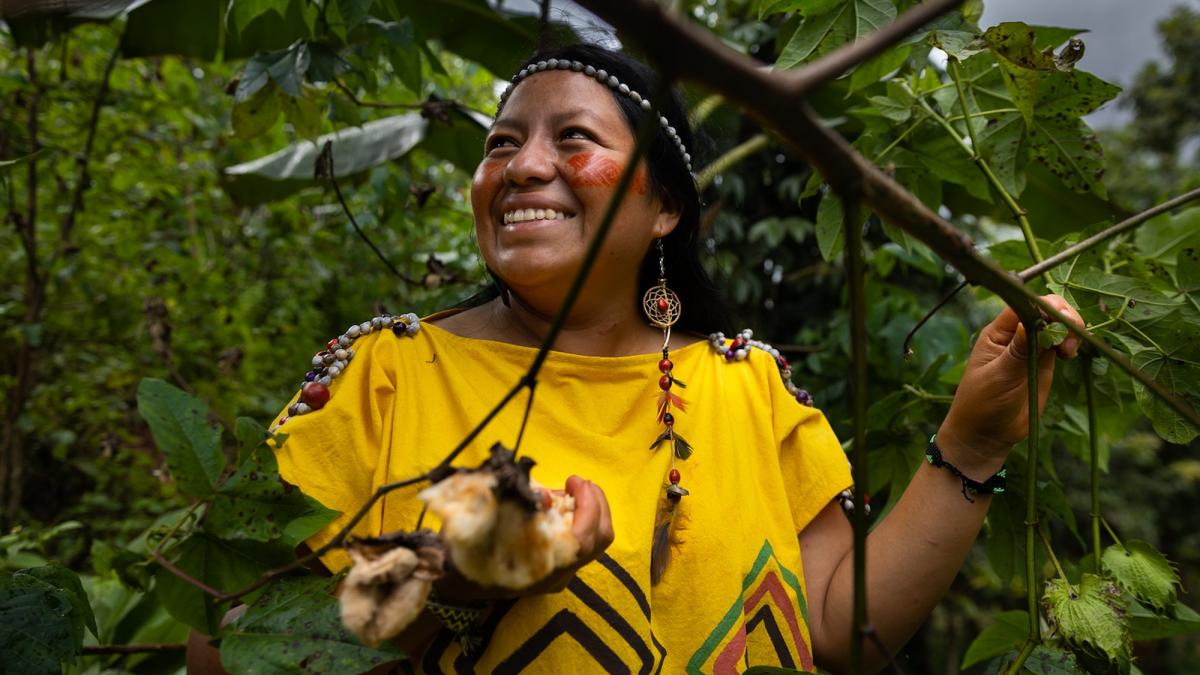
x=1050 y=552
x=734 y=155
x=83 y=179
x=379 y=105
x=855 y=52
x=1032 y=444
x=174 y=569
x=325 y=169
x=1094 y=453
x=1026 y=649
x=1101 y=237
x=906 y=347
x=883 y=649
x=94 y=650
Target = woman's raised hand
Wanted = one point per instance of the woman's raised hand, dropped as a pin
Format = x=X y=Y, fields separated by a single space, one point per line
x=990 y=412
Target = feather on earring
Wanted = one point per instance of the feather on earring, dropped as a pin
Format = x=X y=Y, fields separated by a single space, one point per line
x=663 y=309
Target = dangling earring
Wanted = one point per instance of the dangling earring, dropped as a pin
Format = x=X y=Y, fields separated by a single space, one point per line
x=663 y=310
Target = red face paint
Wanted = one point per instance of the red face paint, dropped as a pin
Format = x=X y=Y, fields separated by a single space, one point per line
x=489 y=171
x=592 y=171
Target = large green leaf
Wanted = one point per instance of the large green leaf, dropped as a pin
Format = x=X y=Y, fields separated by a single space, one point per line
x=1002 y=144
x=471 y=28
x=355 y=149
x=191 y=444
x=39 y=629
x=1070 y=150
x=1045 y=660
x=265 y=25
x=1074 y=94
x=63 y=579
x=1179 y=376
x=1090 y=617
x=830 y=230
x=1143 y=572
x=223 y=565
x=1163 y=236
x=1007 y=633
x=189 y=28
x=1145 y=624
x=255 y=503
x=819 y=33
x=295 y=624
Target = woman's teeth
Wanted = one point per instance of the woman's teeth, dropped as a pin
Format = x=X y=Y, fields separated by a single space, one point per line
x=522 y=215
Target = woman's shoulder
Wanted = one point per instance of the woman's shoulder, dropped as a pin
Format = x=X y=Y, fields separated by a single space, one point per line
x=767 y=365
x=358 y=358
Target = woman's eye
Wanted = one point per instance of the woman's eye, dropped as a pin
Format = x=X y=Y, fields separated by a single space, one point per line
x=576 y=134
x=498 y=142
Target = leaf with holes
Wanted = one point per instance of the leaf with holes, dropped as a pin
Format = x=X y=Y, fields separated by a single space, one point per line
x=1074 y=94
x=1090 y=617
x=38 y=629
x=1143 y=572
x=1070 y=150
x=256 y=504
x=295 y=625
x=1021 y=62
x=191 y=444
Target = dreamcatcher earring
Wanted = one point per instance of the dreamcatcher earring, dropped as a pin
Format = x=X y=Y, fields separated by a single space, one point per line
x=663 y=309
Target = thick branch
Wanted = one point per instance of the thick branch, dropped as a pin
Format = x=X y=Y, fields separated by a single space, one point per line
x=692 y=52
x=844 y=58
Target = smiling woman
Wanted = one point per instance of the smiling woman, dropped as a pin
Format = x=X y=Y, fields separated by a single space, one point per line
x=747 y=509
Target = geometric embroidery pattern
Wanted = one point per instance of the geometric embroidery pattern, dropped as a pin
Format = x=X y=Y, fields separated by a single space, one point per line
x=768 y=625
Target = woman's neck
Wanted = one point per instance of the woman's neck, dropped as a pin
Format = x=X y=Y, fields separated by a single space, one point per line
x=595 y=327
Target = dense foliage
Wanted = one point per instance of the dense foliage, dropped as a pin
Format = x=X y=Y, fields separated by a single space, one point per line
x=171 y=261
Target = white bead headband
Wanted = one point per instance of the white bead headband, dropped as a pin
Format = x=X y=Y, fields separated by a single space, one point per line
x=607 y=80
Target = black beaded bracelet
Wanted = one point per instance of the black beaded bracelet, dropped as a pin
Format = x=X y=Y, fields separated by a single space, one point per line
x=994 y=485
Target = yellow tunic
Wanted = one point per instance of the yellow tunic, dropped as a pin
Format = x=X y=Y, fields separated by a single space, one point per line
x=763 y=467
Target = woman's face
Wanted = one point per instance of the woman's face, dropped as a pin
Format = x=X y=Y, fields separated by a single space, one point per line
x=552 y=161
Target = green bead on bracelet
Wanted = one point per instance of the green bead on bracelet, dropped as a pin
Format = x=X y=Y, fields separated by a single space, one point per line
x=994 y=485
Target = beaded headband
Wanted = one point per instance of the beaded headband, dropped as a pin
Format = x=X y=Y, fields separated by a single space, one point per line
x=607 y=80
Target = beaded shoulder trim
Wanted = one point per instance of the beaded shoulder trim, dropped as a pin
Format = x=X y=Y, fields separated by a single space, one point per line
x=332 y=361
x=739 y=348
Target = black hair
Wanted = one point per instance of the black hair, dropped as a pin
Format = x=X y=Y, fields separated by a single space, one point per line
x=670 y=181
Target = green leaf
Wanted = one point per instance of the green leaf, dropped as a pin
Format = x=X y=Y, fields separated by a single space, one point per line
x=1001 y=142
x=830 y=235
x=401 y=51
x=1051 y=335
x=1021 y=62
x=9 y=163
x=354 y=150
x=191 y=444
x=959 y=44
x=1070 y=150
x=255 y=503
x=1187 y=265
x=65 y=580
x=1007 y=633
x=820 y=33
x=250 y=434
x=1074 y=94
x=257 y=114
x=305 y=112
x=223 y=565
x=287 y=67
x=1143 y=572
x=1053 y=36
x=878 y=68
x=242 y=12
x=1090 y=617
x=183 y=27
x=472 y=29
x=1164 y=236
x=296 y=624
x=892 y=109
x=272 y=30
x=804 y=7
x=1145 y=624
x=39 y=627
x=1049 y=661
x=1178 y=377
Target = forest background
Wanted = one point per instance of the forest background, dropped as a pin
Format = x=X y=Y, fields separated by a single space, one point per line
x=162 y=220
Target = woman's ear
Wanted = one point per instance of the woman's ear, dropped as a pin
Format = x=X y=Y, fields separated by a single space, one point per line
x=668 y=217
